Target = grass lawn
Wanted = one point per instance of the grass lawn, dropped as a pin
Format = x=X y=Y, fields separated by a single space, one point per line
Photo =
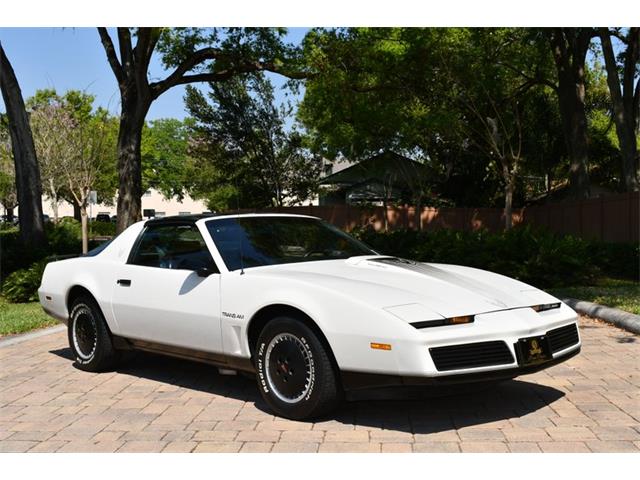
x=622 y=294
x=22 y=317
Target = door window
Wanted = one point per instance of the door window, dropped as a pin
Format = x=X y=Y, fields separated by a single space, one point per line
x=174 y=247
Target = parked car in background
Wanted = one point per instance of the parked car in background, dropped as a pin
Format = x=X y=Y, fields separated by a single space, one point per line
x=103 y=217
x=312 y=313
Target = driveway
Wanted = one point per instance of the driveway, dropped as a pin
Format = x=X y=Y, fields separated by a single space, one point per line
x=154 y=404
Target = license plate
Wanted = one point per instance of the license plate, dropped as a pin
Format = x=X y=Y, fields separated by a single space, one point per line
x=533 y=350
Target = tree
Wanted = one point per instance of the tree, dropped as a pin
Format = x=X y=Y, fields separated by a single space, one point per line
x=194 y=55
x=569 y=47
x=625 y=100
x=8 y=196
x=441 y=94
x=74 y=145
x=51 y=145
x=28 y=187
x=243 y=134
x=54 y=119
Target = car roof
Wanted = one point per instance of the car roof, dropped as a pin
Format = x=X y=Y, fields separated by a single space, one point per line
x=192 y=219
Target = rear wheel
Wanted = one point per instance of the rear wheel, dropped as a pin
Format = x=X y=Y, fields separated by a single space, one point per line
x=89 y=337
x=294 y=371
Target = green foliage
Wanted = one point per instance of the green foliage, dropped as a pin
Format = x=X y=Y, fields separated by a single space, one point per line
x=22 y=285
x=102 y=229
x=165 y=161
x=247 y=153
x=529 y=254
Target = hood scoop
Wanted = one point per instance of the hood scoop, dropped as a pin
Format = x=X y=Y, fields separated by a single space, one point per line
x=486 y=291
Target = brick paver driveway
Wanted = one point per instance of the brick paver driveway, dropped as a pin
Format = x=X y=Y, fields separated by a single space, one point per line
x=591 y=403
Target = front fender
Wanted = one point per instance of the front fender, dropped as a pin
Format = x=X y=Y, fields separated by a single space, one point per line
x=349 y=324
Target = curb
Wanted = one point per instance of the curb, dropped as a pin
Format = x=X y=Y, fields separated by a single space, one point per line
x=619 y=318
x=23 y=337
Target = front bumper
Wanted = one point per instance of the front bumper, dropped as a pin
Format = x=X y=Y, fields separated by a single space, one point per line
x=354 y=381
x=411 y=359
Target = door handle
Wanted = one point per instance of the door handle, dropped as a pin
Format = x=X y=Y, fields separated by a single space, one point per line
x=123 y=282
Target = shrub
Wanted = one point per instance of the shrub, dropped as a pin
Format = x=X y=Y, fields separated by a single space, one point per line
x=530 y=254
x=63 y=238
x=22 y=285
x=102 y=229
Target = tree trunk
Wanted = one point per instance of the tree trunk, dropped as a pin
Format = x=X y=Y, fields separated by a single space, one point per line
x=77 y=215
x=9 y=213
x=623 y=114
x=508 y=199
x=85 y=227
x=28 y=186
x=130 y=162
x=570 y=56
x=54 y=200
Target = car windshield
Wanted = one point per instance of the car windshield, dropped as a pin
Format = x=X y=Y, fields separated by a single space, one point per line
x=245 y=242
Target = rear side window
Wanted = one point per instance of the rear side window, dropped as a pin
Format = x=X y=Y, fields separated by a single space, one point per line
x=178 y=247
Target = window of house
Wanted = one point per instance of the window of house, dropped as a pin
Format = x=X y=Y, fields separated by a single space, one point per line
x=184 y=213
x=147 y=193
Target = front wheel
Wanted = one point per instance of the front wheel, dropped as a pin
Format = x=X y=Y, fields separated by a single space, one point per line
x=89 y=337
x=294 y=371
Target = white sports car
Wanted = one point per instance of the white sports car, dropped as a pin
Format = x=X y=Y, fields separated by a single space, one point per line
x=312 y=312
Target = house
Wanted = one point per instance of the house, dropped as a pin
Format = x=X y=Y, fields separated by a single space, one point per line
x=151 y=200
x=383 y=178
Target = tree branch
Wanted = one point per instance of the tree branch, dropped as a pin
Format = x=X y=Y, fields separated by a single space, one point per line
x=179 y=77
x=110 y=50
x=126 y=51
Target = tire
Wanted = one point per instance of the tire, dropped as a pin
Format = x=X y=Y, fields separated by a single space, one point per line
x=89 y=338
x=294 y=372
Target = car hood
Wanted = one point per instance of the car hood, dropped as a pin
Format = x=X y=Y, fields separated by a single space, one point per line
x=438 y=290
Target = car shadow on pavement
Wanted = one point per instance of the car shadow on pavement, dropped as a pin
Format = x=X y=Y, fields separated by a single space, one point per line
x=429 y=414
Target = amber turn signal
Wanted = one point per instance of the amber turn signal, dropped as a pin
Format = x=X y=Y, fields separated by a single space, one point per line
x=465 y=319
x=380 y=346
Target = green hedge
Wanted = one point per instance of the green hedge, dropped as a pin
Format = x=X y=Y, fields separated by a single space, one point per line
x=22 y=285
x=63 y=238
x=530 y=254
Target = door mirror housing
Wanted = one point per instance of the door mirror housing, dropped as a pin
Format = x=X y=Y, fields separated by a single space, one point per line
x=206 y=271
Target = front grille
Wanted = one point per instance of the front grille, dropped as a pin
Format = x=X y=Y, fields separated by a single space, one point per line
x=563 y=337
x=471 y=355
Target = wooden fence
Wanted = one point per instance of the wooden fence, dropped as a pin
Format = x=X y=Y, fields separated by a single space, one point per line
x=614 y=218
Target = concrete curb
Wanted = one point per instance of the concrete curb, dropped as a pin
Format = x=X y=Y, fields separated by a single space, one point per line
x=619 y=318
x=23 y=337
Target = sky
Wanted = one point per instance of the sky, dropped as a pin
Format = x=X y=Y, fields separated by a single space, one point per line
x=73 y=58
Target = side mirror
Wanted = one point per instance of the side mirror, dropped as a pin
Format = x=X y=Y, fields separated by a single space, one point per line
x=205 y=271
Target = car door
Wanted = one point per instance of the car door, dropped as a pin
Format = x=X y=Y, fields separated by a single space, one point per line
x=159 y=295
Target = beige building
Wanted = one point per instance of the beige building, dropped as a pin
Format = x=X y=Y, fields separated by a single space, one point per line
x=152 y=199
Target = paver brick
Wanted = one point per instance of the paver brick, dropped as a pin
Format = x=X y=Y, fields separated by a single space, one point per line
x=612 y=446
x=179 y=447
x=295 y=447
x=218 y=447
x=563 y=447
x=142 y=446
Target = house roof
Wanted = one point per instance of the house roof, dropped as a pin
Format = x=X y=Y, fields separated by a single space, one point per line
x=384 y=167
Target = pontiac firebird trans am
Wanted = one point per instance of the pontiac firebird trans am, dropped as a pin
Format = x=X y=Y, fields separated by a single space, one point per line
x=312 y=312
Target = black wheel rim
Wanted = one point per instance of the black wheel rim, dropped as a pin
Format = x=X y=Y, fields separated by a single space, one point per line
x=288 y=362
x=85 y=335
